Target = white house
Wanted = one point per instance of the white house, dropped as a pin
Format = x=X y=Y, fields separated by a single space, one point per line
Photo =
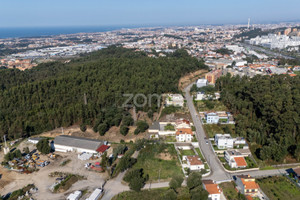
x=239 y=140
x=193 y=162
x=174 y=100
x=201 y=83
x=235 y=159
x=184 y=135
x=66 y=143
x=212 y=118
x=214 y=192
x=224 y=141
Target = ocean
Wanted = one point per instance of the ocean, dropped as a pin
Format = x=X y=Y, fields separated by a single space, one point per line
x=48 y=31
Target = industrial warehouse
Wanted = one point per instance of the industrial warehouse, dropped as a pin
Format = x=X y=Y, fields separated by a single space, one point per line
x=66 y=143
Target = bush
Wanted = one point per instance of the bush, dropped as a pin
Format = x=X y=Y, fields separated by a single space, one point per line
x=176 y=182
x=43 y=146
x=194 y=180
x=83 y=127
x=142 y=126
x=102 y=128
x=124 y=130
x=127 y=121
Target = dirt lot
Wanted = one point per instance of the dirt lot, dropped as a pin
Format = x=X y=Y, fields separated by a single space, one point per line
x=189 y=78
x=12 y=180
x=113 y=134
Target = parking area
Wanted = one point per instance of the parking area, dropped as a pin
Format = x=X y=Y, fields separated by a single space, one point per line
x=42 y=180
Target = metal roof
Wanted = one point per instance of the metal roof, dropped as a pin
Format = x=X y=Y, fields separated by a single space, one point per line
x=77 y=142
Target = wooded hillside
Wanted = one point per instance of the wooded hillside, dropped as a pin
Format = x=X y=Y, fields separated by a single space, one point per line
x=267 y=112
x=88 y=90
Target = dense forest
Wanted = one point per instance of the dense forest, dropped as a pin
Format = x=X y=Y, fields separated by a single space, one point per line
x=88 y=90
x=267 y=112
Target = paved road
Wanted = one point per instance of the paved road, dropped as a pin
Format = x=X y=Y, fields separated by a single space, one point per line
x=114 y=186
x=217 y=171
x=269 y=52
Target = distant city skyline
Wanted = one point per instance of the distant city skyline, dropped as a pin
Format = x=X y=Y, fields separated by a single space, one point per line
x=36 y=13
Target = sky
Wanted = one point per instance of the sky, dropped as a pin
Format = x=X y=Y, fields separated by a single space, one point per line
x=37 y=13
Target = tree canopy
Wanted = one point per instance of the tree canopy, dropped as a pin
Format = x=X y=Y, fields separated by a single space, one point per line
x=88 y=90
x=266 y=110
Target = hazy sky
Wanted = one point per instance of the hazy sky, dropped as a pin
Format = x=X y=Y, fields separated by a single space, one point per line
x=17 y=13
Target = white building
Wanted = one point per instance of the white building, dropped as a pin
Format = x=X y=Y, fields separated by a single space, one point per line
x=174 y=100
x=96 y=194
x=224 y=141
x=66 y=143
x=201 y=83
x=214 y=192
x=34 y=140
x=212 y=118
x=184 y=135
x=74 y=196
x=193 y=162
x=235 y=159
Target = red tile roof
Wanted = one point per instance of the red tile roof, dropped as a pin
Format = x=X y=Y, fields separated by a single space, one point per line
x=240 y=161
x=184 y=131
x=102 y=148
x=194 y=160
x=212 y=188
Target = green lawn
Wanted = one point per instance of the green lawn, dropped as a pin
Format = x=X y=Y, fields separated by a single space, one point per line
x=189 y=152
x=154 y=165
x=199 y=154
x=213 y=105
x=279 y=188
x=157 y=194
x=230 y=192
x=212 y=129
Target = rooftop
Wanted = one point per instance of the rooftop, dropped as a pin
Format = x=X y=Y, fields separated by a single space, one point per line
x=78 y=142
x=194 y=160
x=240 y=161
x=184 y=131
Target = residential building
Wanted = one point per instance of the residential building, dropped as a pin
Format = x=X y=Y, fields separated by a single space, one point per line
x=214 y=192
x=247 y=185
x=224 y=141
x=212 y=118
x=201 y=83
x=175 y=100
x=66 y=143
x=194 y=162
x=184 y=135
x=296 y=172
x=235 y=159
x=211 y=77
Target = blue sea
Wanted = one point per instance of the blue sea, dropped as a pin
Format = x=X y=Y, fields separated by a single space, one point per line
x=48 y=31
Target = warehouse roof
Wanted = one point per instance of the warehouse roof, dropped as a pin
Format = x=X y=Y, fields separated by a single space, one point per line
x=78 y=142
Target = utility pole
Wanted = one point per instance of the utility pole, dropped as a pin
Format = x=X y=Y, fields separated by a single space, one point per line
x=6 y=149
x=159 y=175
x=84 y=99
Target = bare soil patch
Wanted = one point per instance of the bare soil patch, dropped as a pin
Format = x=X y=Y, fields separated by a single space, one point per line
x=189 y=78
x=165 y=156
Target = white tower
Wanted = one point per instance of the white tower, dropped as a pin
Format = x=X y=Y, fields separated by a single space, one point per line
x=248 y=23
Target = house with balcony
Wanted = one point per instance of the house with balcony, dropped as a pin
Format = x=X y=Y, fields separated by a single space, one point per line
x=235 y=159
x=247 y=185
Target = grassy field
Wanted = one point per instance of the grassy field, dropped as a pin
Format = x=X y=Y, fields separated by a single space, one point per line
x=216 y=105
x=279 y=188
x=157 y=194
x=189 y=152
x=230 y=192
x=212 y=129
x=158 y=160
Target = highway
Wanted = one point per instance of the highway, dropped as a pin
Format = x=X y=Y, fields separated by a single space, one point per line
x=268 y=52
